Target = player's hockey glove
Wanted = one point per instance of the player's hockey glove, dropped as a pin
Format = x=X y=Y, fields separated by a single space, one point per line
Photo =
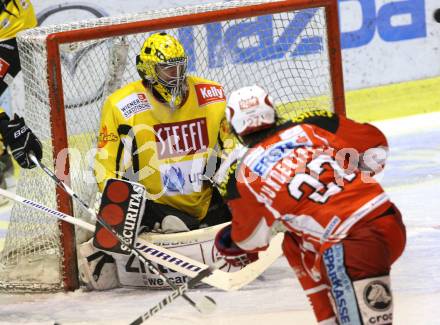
x=20 y=139
x=232 y=254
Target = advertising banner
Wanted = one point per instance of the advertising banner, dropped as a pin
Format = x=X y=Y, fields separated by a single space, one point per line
x=383 y=41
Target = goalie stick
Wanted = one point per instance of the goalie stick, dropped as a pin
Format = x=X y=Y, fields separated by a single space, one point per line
x=207 y=305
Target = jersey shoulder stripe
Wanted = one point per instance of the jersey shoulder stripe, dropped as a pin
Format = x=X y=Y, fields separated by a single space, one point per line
x=321 y=118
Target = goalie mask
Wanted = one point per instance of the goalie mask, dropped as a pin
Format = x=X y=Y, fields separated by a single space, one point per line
x=250 y=109
x=162 y=63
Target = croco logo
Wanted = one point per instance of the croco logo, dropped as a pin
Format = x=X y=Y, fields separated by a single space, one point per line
x=377 y=295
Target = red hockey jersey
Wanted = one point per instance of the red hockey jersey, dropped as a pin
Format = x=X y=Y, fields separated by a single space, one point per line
x=302 y=177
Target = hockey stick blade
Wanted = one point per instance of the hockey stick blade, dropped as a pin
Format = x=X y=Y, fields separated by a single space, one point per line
x=207 y=306
x=227 y=281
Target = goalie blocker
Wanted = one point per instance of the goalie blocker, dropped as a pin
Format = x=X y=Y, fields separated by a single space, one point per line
x=105 y=263
x=122 y=207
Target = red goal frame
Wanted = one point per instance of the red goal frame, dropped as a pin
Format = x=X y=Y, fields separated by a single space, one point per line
x=58 y=120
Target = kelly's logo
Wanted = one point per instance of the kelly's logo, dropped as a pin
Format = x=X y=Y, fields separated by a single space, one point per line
x=181 y=138
x=207 y=94
x=105 y=137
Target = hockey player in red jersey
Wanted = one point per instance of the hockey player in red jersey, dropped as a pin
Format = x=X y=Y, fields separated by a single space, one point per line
x=311 y=178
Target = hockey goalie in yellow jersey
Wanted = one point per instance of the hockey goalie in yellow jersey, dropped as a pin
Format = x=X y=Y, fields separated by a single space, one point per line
x=165 y=131
x=161 y=131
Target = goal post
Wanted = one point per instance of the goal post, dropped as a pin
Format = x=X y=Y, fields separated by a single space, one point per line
x=291 y=48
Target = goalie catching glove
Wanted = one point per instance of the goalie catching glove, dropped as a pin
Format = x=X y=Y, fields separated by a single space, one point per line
x=20 y=139
x=232 y=254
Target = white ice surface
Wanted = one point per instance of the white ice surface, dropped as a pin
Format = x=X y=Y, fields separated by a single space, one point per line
x=412 y=179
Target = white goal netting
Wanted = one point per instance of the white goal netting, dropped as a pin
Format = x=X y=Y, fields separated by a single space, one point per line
x=286 y=53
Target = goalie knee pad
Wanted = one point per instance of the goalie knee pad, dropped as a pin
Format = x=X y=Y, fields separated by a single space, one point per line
x=172 y=224
x=163 y=218
x=361 y=302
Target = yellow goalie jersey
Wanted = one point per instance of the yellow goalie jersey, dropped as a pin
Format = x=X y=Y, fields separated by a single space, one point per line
x=15 y=16
x=167 y=151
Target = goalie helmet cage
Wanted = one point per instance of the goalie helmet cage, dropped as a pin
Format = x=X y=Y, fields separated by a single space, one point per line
x=291 y=48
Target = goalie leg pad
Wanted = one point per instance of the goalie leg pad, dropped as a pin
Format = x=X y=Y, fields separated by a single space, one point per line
x=97 y=269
